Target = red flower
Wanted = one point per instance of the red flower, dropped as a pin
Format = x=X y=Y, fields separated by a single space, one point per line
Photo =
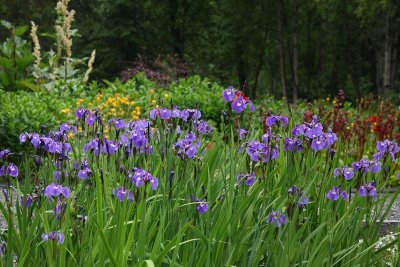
x=372 y=119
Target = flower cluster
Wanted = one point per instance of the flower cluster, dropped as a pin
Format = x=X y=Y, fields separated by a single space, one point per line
x=368 y=190
x=167 y=114
x=313 y=132
x=276 y=218
x=386 y=147
x=266 y=150
x=83 y=169
x=294 y=144
x=54 y=143
x=54 y=236
x=300 y=198
x=238 y=99
x=277 y=120
x=366 y=165
x=187 y=147
x=140 y=177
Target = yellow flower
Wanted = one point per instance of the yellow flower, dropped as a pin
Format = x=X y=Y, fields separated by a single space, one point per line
x=113 y=110
x=70 y=135
x=166 y=95
x=133 y=103
x=151 y=91
x=107 y=137
x=348 y=128
x=153 y=102
x=90 y=104
x=137 y=108
x=334 y=102
x=100 y=107
x=327 y=99
x=138 y=113
x=135 y=118
x=66 y=111
x=133 y=112
x=157 y=106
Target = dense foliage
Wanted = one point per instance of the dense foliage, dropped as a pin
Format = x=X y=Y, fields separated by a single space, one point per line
x=156 y=190
x=303 y=49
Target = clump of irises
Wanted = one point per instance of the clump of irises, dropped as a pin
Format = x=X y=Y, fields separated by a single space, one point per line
x=238 y=100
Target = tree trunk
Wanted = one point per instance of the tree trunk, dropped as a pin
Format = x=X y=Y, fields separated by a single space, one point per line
x=387 y=57
x=281 y=51
x=295 y=54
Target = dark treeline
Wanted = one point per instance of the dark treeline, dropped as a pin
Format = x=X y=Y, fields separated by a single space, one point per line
x=297 y=49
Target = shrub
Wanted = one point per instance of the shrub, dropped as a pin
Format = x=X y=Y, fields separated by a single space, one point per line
x=25 y=112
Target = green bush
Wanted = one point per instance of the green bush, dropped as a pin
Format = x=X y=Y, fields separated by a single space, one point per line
x=25 y=112
x=202 y=94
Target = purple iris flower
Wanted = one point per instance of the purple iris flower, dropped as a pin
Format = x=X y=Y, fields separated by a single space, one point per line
x=293 y=144
x=28 y=200
x=243 y=133
x=365 y=165
x=57 y=175
x=387 y=146
x=80 y=113
x=239 y=104
x=202 y=127
x=4 y=153
x=165 y=113
x=55 y=190
x=249 y=178
x=119 y=124
x=84 y=173
x=188 y=146
x=277 y=119
x=176 y=113
x=368 y=190
x=318 y=144
x=276 y=218
x=153 y=113
x=202 y=206
x=335 y=193
x=346 y=172
x=228 y=94
x=90 y=119
x=2 y=170
x=398 y=175
x=59 y=208
x=12 y=170
x=314 y=130
x=140 y=177
x=302 y=201
x=122 y=194
x=192 y=114
x=54 y=236
x=110 y=147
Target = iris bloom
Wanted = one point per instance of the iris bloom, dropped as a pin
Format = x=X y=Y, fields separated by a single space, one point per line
x=55 y=190
x=54 y=236
x=202 y=207
x=122 y=193
x=346 y=172
x=276 y=218
x=368 y=190
x=12 y=170
x=335 y=193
